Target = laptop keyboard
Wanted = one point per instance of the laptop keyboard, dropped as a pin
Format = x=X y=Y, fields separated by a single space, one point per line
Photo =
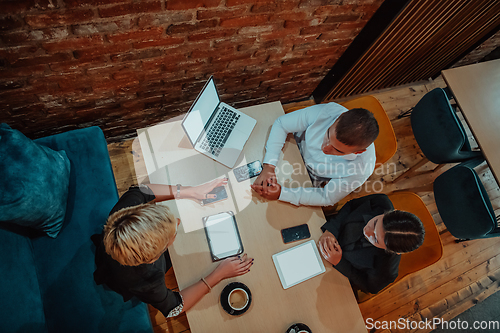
x=220 y=130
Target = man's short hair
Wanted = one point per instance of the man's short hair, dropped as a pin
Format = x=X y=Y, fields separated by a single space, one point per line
x=356 y=128
x=404 y=232
x=137 y=235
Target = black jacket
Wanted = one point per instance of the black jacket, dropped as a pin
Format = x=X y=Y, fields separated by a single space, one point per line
x=146 y=281
x=367 y=267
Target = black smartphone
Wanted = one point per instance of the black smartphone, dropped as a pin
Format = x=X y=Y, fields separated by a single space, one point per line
x=248 y=171
x=220 y=193
x=296 y=233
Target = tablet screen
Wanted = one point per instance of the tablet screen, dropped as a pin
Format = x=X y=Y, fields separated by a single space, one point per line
x=222 y=235
x=298 y=264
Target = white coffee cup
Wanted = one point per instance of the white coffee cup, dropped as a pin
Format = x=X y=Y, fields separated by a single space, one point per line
x=238 y=299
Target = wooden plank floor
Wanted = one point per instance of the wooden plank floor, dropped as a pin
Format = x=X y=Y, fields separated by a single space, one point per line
x=468 y=272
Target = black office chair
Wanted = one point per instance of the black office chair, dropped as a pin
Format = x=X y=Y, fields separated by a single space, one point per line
x=438 y=132
x=463 y=203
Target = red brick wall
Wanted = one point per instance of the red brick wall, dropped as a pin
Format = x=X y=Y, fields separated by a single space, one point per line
x=123 y=65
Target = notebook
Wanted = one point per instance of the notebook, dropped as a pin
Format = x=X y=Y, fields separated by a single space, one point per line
x=298 y=264
x=216 y=129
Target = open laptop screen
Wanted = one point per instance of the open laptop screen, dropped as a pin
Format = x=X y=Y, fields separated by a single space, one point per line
x=201 y=111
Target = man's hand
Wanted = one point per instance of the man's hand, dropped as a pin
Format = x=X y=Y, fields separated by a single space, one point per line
x=330 y=248
x=268 y=172
x=271 y=190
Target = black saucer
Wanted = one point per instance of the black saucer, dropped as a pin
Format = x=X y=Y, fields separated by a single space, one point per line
x=297 y=327
x=224 y=301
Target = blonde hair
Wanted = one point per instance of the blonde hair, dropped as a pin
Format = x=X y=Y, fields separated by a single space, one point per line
x=139 y=234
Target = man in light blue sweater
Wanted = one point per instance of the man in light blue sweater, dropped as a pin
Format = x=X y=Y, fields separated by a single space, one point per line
x=336 y=145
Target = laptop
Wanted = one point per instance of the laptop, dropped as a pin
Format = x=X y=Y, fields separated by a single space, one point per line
x=216 y=129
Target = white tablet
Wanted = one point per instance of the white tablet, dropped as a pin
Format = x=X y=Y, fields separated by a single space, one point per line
x=298 y=264
x=222 y=235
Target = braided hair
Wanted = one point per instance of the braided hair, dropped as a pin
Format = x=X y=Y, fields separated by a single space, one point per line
x=404 y=232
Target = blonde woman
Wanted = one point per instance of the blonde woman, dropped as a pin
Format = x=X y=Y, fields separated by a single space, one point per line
x=132 y=252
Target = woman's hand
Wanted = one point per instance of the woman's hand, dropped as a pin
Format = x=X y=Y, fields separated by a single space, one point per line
x=330 y=248
x=233 y=266
x=200 y=192
x=228 y=268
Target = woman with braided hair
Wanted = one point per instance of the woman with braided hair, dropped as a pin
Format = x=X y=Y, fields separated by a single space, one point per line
x=365 y=239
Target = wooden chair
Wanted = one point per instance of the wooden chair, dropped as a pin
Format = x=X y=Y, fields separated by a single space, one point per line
x=428 y=253
x=385 y=144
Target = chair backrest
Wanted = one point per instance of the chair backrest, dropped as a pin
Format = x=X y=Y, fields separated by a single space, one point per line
x=385 y=144
x=463 y=203
x=438 y=131
x=432 y=248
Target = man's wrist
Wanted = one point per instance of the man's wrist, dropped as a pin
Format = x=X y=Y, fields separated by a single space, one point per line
x=279 y=191
x=269 y=166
